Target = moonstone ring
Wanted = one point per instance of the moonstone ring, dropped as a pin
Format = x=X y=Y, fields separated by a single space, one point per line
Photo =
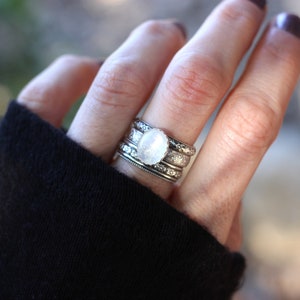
x=153 y=151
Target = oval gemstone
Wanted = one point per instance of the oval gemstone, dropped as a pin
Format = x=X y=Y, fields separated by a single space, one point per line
x=152 y=147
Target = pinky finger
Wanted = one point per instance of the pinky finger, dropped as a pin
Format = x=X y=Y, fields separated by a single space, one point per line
x=51 y=94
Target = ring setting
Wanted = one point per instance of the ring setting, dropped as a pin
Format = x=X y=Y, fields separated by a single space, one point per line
x=153 y=151
x=152 y=147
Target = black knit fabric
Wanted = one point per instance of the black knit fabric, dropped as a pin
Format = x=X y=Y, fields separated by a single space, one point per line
x=72 y=227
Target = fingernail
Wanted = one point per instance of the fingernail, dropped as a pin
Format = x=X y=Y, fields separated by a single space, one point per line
x=289 y=23
x=182 y=28
x=260 y=3
x=101 y=62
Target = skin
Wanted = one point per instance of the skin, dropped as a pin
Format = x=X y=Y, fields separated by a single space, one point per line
x=194 y=77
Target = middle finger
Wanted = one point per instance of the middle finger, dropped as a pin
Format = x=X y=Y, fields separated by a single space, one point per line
x=198 y=78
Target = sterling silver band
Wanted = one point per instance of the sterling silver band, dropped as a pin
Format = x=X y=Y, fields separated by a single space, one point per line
x=165 y=172
x=170 y=156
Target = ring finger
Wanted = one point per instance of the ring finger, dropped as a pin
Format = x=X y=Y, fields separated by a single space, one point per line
x=122 y=86
x=198 y=77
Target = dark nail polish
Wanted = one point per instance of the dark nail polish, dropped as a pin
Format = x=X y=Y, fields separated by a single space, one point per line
x=101 y=62
x=182 y=28
x=289 y=23
x=260 y=3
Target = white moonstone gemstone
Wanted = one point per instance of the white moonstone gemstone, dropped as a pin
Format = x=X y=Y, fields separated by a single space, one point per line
x=152 y=147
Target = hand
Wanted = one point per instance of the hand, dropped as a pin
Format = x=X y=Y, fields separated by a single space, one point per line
x=195 y=78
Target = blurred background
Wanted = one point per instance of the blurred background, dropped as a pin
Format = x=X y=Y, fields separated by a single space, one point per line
x=35 y=32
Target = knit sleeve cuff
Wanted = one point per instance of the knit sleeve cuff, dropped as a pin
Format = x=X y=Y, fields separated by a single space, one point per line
x=77 y=226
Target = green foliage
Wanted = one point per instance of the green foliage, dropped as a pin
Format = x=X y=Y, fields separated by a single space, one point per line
x=18 y=36
x=14 y=5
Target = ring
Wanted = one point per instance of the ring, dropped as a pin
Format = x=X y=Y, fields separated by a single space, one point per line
x=151 y=150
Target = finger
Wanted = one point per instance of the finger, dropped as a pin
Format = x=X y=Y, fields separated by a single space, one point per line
x=235 y=236
x=244 y=129
x=198 y=78
x=52 y=93
x=123 y=85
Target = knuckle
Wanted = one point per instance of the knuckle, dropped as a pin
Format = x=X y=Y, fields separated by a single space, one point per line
x=277 y=52
x=67 y=59
x=121 y=78
x=253 y=125
x=153 y=27
x=233 y=13
x=195 y=85
x=230 y=13
x=157 y=27
x=37 y=93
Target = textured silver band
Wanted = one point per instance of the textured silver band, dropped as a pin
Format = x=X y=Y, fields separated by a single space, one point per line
x=170 y=167
x=165 y=172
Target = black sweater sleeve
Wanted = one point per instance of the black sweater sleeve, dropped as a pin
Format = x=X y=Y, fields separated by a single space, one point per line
x=72 y=227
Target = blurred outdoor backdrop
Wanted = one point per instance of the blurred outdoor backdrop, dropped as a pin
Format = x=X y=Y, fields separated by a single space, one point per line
x=34 y=32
